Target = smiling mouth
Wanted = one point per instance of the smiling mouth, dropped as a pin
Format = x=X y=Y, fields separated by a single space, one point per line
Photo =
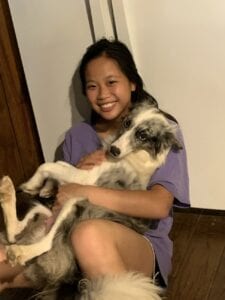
x=107 y=106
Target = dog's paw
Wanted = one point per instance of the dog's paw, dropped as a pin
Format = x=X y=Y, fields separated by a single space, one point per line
x=49 y=189
x=46 y=193
x=29 y=189
x=6 y=188
x=15 y=255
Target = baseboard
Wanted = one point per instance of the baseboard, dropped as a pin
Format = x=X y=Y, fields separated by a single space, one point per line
x=202 y=211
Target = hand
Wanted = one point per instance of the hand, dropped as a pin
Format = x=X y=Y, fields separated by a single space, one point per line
x=89 y=161
x=68 y=191
x=65 y=192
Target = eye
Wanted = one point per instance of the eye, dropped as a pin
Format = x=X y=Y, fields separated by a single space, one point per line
x=111 y=82
x=126 y=123
x=90 y=87
x=142 y=136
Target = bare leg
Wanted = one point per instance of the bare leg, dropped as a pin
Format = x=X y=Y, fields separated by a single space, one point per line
x=103 y=247
x=118 y=262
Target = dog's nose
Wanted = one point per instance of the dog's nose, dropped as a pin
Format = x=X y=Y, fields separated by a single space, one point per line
x=114 y=151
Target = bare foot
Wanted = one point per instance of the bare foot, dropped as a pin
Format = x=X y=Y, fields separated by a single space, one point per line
x=3 y=285
x=19 y=281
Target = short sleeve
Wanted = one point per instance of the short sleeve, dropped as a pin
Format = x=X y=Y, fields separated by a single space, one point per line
x=79 y=141
x=173 y=175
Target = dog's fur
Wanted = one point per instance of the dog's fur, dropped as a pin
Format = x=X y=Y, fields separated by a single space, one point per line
x=141 y=146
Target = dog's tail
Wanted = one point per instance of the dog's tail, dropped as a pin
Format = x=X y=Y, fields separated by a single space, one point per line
x=128 y=286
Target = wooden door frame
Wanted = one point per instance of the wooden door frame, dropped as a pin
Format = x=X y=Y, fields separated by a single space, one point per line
x=16 y=95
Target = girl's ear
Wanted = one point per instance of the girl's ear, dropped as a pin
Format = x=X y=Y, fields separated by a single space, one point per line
x=133 y=87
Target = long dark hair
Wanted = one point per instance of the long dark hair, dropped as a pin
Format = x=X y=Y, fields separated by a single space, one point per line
x=118 y=51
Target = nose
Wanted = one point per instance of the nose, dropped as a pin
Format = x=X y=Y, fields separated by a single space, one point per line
x=114 y=151
x=103 y=92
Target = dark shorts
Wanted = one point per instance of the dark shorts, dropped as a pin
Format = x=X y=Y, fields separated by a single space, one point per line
x=158 y=276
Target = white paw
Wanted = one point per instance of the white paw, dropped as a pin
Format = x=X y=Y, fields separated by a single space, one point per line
x=16 y=255
x=46 y=193
x=30 y=189
x=6 y=188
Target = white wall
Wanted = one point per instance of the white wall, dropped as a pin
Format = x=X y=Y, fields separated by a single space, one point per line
x=179 y=47
x=52 y=36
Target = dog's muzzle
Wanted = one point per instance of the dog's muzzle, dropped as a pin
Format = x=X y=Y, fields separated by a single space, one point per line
x=114 y=151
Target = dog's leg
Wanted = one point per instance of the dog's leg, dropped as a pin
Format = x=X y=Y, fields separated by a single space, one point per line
x=127 y=286
x=8 y=204
x=36 y=182
x=62 y=173
x=49 y=189
x=20 y=254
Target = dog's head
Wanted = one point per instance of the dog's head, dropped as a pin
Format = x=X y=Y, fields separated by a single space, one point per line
x=145 y=128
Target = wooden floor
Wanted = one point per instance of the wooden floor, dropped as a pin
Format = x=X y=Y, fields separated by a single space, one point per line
x=199 y=258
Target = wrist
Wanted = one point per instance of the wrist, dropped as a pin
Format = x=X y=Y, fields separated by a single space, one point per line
x=86 y=191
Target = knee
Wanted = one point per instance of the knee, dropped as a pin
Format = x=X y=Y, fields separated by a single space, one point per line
x=96 y=249
x=89 y=237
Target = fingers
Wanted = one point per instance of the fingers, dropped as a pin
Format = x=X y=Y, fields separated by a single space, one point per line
x=91 y=160
x=66 y=192
x=61 y=198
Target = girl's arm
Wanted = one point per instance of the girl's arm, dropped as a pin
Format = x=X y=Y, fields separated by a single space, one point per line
x=154 y=204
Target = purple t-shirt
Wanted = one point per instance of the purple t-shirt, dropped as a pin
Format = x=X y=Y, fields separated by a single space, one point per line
x=82 y=139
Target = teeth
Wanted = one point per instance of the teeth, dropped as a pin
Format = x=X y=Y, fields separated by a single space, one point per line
x=107 y=105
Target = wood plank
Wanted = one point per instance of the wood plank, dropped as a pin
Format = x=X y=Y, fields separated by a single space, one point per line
x=183 y=229
x=202 y=258
x=181 y=234
x=217 y=290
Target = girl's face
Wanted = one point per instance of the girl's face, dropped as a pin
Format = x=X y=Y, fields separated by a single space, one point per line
x=107 y=88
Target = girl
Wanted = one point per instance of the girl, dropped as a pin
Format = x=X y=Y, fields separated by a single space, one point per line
x=111 y=83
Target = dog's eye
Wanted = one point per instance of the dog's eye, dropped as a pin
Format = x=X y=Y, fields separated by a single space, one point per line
x=126 y=123
x=142 y=136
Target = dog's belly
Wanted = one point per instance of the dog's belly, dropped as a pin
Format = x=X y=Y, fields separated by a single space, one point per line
x=119 y=177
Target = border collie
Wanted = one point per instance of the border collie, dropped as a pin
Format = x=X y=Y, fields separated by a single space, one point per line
x=140 y=147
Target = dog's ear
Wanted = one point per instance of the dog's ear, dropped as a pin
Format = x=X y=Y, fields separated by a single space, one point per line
x=165 y=141
x=151 y=101
x=146 y=103
x=172 y=142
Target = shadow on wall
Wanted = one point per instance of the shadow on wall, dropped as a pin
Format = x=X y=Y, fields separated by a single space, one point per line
x=80 y=108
